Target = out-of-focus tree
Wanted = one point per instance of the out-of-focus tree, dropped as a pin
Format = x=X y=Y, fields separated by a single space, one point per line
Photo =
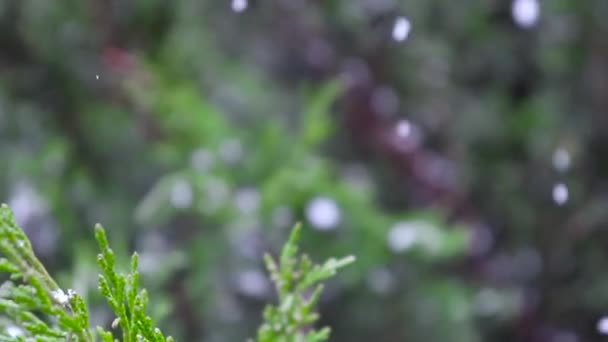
x=455 y=147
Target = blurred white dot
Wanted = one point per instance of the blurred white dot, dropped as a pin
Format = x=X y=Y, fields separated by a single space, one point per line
x=181 y=194
x=358 y=177
x=96 y=77
x=148 y=262
x=323 y=213
x=488 y=302
x=217 y=194
x=406 y=137
x=202 y=159
x=403 y=129
x=252 y=283
x=26 y=203
x=560 y=193
x=247 y=200
x=380 y=280
x=14 y=331
x=152 y=248
x=525 y=12
x=401 y=29
x=602 y=326
x=561 y=159
x=231 y=151
x=239 y=5
x=402 y=237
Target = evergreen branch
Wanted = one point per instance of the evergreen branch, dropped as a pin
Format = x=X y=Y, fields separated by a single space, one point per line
x=39 y=292
x=37 y=309
x=297 y=282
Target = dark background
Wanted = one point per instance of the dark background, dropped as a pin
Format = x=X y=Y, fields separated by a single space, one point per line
x=457 y=148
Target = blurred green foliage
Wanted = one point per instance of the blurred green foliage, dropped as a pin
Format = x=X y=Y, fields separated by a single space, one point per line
x=199 y=134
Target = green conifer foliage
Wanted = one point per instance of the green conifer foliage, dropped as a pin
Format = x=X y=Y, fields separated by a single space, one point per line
x=34 y=308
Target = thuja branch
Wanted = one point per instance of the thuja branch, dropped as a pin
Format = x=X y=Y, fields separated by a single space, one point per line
x=39 y=310
x=124 y=297
x=298 y=284
x=36 y=291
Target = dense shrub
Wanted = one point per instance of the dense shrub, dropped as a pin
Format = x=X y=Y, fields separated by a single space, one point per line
x=455 y=147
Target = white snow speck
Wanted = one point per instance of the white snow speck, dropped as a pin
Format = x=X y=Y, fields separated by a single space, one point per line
x=602 y=325
x=14 y=331
x=403 y=129
x=525 y=12
x=323 y=213
x=247 y=200
x=252 y=283
x=231 y=151
x=402 y=237
x=202 y=160
x=561 y=159
x=181 y=194
x=560 y=193
x=60 y=296
x=239 y=5
x=401 y=29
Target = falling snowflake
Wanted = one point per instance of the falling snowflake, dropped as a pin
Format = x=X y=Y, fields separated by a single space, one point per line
x=401 y=29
